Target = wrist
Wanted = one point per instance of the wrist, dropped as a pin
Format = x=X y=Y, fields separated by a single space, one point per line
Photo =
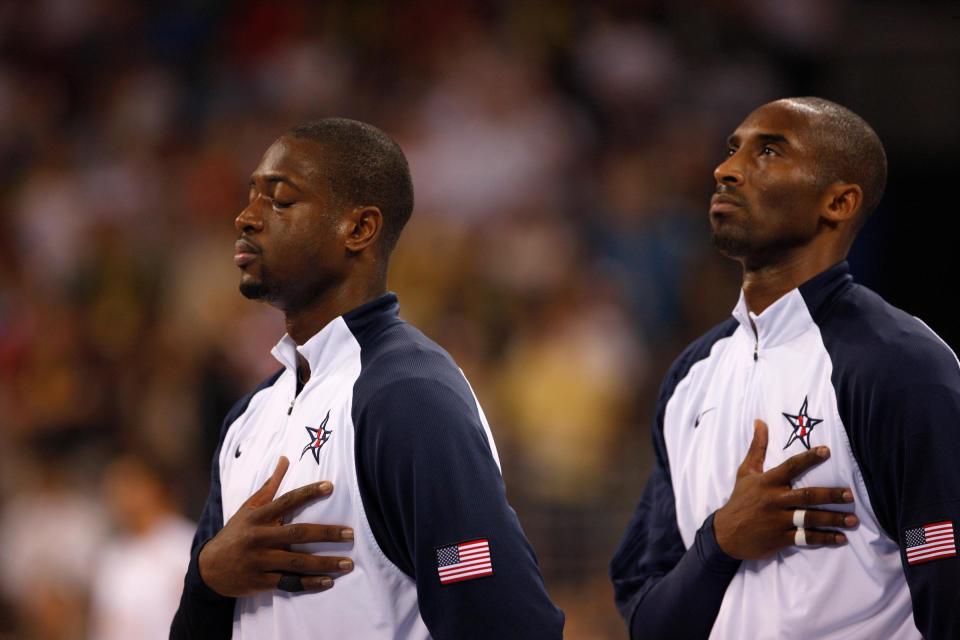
x=203 y=570
x=716 y=528
x=712 y=553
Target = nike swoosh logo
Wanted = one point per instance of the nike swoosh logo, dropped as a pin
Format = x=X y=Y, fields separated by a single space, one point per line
x=700 y=417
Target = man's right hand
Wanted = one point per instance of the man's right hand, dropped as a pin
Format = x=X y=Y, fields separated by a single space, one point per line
x=757 y=521
x=250 y=553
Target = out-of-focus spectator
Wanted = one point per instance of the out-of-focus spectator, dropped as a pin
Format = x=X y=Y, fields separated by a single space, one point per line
x=489 y=134
x=152 y=540
x=566 y=390
x=50 y=531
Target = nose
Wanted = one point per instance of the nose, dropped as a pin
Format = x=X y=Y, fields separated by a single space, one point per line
x=728 y=172
x=249 y=220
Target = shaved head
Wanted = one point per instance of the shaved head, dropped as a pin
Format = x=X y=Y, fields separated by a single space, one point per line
x=849 y=149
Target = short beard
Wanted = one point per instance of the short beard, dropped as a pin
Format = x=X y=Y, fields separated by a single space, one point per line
x=266 y=291
x=732 y=245
x=258 y=289
x=254 y=290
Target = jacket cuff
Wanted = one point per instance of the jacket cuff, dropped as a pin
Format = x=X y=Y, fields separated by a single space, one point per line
x=194 y=581
x=713 y=558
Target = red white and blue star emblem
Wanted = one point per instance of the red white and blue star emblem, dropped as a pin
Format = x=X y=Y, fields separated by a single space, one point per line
x=802 y=425
x=318 y=438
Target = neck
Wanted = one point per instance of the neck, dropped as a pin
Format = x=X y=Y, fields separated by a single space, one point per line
x=303 y=323
x=766 y=283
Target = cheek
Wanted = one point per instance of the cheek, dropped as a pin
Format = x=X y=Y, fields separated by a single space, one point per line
x=790 y=199
x=309 y=248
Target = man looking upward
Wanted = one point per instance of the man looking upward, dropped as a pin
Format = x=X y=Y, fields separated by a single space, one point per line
x=857 y=406
x=375 y=428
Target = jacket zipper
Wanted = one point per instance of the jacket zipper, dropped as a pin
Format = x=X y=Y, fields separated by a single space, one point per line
x=750 y=392
x=275 y=441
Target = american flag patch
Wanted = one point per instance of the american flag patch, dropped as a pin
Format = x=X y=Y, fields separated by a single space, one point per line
x=464 y=561
x=930 y=542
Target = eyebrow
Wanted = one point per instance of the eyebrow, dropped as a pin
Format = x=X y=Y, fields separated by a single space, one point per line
x=762 y=137
x=773 y=137
x=275 y=178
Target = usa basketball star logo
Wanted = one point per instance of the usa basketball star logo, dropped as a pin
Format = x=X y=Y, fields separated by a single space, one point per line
x=318 y=438
x=802 y=425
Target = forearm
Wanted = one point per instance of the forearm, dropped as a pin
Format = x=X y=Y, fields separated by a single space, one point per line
x=684 y=602
x=203 y=614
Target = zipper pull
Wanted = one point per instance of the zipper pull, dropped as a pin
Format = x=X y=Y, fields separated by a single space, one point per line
x=756 y=347
x=290 y=410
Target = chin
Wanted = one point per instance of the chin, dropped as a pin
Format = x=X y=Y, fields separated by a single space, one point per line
x=730 y=244
x=253 y=290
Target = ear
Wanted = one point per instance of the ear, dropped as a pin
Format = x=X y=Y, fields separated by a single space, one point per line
x=842 y=202
x=364 y=225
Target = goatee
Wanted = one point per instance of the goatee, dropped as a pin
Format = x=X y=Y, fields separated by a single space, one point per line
x=253 y=290
x=730 y=245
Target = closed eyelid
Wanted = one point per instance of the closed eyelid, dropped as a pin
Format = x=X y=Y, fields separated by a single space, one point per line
x=271 y=181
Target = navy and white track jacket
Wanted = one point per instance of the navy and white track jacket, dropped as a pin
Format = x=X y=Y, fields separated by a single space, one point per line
x=388 y=418
x=830 y=363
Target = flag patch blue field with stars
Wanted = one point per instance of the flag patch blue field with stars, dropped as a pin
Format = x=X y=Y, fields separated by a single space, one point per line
x=930 y=542
x=464 y=561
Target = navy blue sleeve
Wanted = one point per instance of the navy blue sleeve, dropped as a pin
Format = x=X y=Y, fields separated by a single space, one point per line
x=662 y=589
x=920 y=485
x=898 y=390
x=898 y=395
x=428 y=480
x=204 y=614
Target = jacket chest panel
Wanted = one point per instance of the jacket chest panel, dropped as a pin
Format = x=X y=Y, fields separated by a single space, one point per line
x=709 y=421
x=313 y=430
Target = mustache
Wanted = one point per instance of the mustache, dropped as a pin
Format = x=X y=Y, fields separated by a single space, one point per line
x=245 y=245
x=726 y=193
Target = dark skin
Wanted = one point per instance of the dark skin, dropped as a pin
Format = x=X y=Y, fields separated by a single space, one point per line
x=250 y=553
x=771 y=211
x=757 y=521
x=314 y=259
x=784 y=223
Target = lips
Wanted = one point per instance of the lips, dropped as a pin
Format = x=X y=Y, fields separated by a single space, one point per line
x=724 y=203
x=244 y=252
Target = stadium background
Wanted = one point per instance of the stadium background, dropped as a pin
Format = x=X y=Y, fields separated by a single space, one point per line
x=562 y=154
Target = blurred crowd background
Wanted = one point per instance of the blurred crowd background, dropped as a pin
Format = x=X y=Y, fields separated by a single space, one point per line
x=562 y=155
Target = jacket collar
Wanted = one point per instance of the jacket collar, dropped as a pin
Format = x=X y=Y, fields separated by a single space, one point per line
x=794 y=312
x=820 y=291
x=335 y=341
